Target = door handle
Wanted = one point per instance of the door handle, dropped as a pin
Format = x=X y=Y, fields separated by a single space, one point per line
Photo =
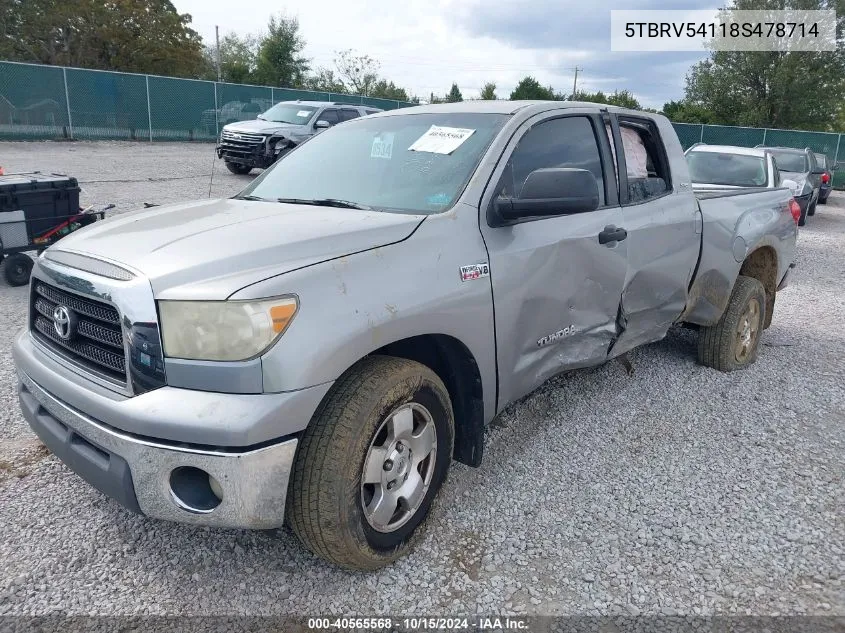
x=612 y=234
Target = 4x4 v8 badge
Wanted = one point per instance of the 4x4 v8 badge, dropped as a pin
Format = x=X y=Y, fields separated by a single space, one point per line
x=475 y=271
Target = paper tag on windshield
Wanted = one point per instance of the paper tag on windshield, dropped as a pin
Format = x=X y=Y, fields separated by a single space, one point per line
x=441 y=140
x=303 y=113
x=382 y=146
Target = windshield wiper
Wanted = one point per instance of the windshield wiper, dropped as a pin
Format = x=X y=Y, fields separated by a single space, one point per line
x=326 y=202
x=256 y=198
x=260 y=118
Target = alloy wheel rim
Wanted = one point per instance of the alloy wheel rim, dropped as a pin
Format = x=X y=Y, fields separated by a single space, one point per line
x=747 y=331
x=398 y=467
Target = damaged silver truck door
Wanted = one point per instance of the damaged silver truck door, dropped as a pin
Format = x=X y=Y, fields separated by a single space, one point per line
x=557 y=269
x=659 y=212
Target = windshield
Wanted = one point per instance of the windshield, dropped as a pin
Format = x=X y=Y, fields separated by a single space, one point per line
x=791 y=161
x=737 y=170
x=369 y=162
x=289 y=113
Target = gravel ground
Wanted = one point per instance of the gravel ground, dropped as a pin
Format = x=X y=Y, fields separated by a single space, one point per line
x=675 y=490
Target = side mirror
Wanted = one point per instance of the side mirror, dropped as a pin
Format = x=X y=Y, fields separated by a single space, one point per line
x=322 y=124
x=547 y=192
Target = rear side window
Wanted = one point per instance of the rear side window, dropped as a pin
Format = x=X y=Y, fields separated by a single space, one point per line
x=348 y=115
x=564 y=142
x=645 y=160
x=372 y=111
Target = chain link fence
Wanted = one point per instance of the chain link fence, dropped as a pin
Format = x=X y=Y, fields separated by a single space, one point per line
x=52 y=102
x=827 y=143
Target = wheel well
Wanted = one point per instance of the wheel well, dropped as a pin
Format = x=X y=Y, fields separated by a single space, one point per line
x=455 y=365
x=762 y=265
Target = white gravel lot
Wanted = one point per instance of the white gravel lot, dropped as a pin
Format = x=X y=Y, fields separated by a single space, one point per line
x=676 y=490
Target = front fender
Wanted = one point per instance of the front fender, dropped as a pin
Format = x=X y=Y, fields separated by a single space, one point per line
x=354 y=305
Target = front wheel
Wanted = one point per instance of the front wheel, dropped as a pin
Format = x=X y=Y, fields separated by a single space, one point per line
x=371 y=463
x=237 y=168
x=732 y=343
x=18 y=268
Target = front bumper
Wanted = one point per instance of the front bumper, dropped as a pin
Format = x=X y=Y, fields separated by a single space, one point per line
x=139 y=472
x=804 y=201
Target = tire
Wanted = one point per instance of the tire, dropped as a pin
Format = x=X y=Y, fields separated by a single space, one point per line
x=723 y=345
x=237 y=168
x=822 y=201
x=803 y=219
x=811 y=210
x=18 y=266
x=329 y=508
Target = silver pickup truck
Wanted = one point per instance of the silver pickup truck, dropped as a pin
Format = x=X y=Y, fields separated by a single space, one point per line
x=318 y=349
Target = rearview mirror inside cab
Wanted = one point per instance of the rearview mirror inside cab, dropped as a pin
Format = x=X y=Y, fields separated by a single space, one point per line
x=548 y=192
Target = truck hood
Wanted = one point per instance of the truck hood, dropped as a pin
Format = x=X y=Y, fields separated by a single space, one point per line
x=210 y=249
x=257 y=126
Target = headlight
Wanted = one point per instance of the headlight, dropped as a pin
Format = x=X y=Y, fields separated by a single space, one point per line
x=223 y=330
x=281 y=144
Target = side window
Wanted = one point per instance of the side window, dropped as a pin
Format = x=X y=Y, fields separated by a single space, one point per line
x=330 y=116
x=645 y=161
x=348 y=115
x=564 y=142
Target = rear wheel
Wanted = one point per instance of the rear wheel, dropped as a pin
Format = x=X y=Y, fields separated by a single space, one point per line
x=237 y=168
x=811 y=210
x=823 y=200
x=732 y=343
x=18 y=266
x=371 y=463
x=802 y=220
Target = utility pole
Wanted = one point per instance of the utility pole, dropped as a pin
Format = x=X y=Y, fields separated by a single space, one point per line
x=217 y=38
x=575 y=83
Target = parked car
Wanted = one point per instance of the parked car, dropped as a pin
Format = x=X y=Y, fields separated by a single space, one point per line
x=725 y=167
x=799 y=165
x=232 y=112
x=320 y=347
x=826 y=177
x=262 y=141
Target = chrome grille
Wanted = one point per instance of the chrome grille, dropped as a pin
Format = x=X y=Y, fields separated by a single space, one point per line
x=242 y=137
x=97 y=342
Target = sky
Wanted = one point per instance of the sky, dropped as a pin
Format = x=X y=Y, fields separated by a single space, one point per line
x=425 y=45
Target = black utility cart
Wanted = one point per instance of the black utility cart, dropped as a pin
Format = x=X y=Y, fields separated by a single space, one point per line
x=36 y=210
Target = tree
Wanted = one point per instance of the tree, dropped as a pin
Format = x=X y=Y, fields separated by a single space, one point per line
x=325 y=80
x=144 y=36
x=454 y=94
x=771 y=89
x=280 y=62
x=359 y=72
x=384 y=89
x=684 y=112
x=238 y=58
x=488 y=92
x=530 y=88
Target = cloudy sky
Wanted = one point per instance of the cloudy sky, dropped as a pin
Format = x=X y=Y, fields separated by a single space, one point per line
x=425 y=45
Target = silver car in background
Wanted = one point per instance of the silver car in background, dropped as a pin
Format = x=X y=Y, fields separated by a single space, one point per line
x=800 y=165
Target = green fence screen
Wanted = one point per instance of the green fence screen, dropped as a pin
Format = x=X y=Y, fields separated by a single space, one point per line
x=50 y=102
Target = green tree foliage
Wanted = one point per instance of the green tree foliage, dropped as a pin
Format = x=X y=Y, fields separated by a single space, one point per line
x=488 y=92
x=454 y=94
x=621 y=98
x=360 y=73
x=146 y=36
x=325 y=80
x=799 y=90
x=530 y=88
x=384 y=89
x=238 y=58
x=685 y=112
x=280 y=61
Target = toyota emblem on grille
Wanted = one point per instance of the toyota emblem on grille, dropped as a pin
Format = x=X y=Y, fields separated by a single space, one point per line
x=63 y=322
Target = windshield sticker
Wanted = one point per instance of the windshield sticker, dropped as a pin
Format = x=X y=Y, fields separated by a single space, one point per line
x=441 y=140
x=438 y=200
x=382 y=146
x=303 y=113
